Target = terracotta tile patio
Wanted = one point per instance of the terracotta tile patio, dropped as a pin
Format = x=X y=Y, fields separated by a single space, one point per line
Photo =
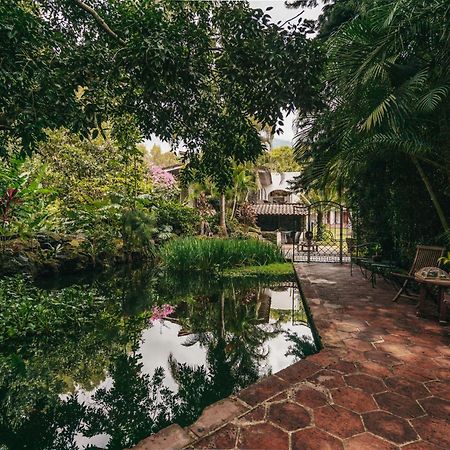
x=382 y=381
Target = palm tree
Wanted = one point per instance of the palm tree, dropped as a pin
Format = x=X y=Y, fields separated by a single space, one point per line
x=389 y=78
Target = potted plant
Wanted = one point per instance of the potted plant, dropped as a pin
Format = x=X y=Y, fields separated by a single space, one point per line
x=445 y=261
x=376 y=256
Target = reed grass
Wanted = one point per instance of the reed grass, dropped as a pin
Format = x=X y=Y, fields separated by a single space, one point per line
x=192 y=254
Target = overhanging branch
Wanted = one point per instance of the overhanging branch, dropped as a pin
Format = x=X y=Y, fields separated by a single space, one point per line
x=99 y=20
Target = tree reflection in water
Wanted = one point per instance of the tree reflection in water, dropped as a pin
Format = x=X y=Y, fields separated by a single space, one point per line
x=99 y=367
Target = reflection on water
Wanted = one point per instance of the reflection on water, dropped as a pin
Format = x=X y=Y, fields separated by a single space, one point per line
x=162 y=351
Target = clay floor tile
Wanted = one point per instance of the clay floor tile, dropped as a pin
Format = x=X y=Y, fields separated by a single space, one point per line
x=382 y=358
x=173 y=437
x=359 y=345
x=421 y=350
x=338 y=421
x=433 y=430
x=374 y=369
x=407 y=371
x=309 y=397
x=289 y=416
x=216 y=415
x=421 y=445
x=367 y=441
x=327 y=379
x=225 y=439
x=399 y=405
x=442 y=361
x=353 y=399
x=263 y=390
x=367 y=383
x=396 y=349
x=262 y=437
x=324 y=358
x=407 y=387
x=256 y=415
x=314 y=439
x=436 y=407
x=389 y=427
x=344 y=367
x=440 y=389
x=299 y=371
x=441 y=374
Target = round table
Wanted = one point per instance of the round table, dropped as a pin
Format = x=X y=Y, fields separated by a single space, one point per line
x=442 y=285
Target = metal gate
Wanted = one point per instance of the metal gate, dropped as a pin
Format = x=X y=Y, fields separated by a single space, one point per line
x=320 y=233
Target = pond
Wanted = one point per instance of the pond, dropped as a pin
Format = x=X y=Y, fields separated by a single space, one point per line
x=156 y=351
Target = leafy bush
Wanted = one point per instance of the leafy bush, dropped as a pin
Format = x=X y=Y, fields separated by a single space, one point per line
x=138 y=229
x=209 y=255
x=26 y=310
x=181 y=218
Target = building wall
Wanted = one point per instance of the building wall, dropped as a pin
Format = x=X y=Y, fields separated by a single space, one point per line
x=280 y=182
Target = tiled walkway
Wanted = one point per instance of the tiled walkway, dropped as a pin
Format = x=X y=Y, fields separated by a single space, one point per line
x=381 y=382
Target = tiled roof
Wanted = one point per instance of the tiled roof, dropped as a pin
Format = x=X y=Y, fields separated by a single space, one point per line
x=280 y=209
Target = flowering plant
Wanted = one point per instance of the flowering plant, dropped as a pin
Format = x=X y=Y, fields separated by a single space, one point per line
x=161 y=178
x=161 y=312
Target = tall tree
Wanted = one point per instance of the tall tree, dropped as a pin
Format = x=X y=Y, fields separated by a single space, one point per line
x=387 y=87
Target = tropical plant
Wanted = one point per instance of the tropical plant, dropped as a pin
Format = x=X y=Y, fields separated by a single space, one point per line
x=386 y=95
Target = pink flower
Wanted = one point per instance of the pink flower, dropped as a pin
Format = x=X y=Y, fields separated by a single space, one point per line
x=161 y=312
x=162 y=178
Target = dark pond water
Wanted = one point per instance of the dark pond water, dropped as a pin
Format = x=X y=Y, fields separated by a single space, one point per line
x=158 y=353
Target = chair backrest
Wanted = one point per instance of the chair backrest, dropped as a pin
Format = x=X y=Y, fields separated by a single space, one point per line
x=426 y=256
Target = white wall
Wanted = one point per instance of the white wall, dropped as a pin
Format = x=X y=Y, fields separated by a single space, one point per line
x=280 y=181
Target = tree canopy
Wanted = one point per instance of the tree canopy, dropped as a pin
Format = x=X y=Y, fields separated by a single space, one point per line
x=191 y=72
x=384 y=120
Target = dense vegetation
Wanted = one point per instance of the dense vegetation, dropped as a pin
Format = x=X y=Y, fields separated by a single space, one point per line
x=211 y=255
x=381 y=134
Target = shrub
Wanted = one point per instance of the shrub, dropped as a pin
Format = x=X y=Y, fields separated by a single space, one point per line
x=182 y=219
x=27 y=310
x=209 y=255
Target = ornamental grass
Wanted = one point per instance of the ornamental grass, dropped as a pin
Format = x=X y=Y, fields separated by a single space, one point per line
x=191 y=254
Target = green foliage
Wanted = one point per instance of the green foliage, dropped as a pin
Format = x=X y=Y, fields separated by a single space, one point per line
x=22 y=199
x=215 y=65
x=28 y=311
x=138 y=230
x=279 y=159
x=182 y=220
x=158 y=158
x=381 y=127
x=283 y=271
x=82 y=374
x=209 y=255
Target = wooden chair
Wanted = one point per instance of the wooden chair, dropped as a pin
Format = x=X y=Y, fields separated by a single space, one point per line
x=426 y=256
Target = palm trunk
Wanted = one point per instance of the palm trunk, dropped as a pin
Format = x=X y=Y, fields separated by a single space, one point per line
x=434 y=199
x=233 y=211
x=223 y=211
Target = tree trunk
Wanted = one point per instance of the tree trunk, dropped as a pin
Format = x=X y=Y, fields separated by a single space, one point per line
x=223 y=211
x=319 y=235
x=233 y=211
x=434 y=199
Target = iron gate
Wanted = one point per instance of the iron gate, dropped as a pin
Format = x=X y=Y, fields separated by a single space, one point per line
x=320 y=233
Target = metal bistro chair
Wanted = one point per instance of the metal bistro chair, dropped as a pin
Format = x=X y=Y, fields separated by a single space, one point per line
x=426 y=256
x=354 y=250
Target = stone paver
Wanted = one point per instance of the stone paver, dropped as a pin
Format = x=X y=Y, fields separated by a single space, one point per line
x=382 y=380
